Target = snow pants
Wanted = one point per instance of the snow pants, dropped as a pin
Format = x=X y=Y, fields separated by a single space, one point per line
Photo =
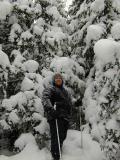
x=62 y=129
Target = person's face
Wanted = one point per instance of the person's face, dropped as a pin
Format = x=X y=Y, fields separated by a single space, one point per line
x=58 y=81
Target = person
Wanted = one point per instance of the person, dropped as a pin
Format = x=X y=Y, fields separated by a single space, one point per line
x=56 y=94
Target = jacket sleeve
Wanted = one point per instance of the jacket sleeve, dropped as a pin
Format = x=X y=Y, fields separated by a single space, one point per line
x=46 y=96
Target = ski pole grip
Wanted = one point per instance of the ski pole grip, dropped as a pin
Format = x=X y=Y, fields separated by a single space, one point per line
x=55 y=106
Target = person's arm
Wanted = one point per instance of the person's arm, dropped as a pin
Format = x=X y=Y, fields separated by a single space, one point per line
x=46 y=96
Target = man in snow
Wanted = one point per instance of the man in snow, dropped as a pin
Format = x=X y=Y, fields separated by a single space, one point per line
x=57 y=94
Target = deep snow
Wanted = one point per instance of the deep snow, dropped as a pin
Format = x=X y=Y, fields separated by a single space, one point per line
x=72 y=149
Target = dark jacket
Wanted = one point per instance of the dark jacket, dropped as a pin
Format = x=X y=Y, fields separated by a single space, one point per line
x=61 y=97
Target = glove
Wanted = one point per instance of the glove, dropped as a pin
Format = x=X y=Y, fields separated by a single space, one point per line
x=62 y=103
x=53 y=113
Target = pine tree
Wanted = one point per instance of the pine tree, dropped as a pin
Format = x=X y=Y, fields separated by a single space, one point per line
x=74 y=7
x=102 y=97
x=36 y=31
x=92 y=21
x=95 y=20
x=23 y=112
x=5 y=26
x=52 y=24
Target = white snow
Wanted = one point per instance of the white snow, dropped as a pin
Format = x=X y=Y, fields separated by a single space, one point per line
x=70 y=70
x=68 y=3
x=25 y=2
x=65 y=64
x=30 y=152
x=116 y=5
x=24 y=140
x=26 y=35
x=53 y=12
x=38 y=106
x=43 y=127
x=37 y=116
x=98 y=5
x=40 y=22
x=30 y=94
x=38 y=82
x=112 y=124
x=30 y=66
x=83 y=7
x=27 y=6
x=94 y=32
x=38 y=8
x=73 y=24
x=18 y=99
x=53 y=35
x=13 y=19
x=13 y=117
x=72 y=149
x=115 y=31
x=4 y=60
x=105 y=51
x=15 y=28
x=4 y=124
x=37 y=30
x=48 y=76
x=98 y=130
x=92 y=110
x=7 y=105
x=5 y=9
x=27 y=84
x=19 y=59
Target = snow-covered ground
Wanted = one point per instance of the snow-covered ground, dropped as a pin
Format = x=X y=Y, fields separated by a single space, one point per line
x=72 y=149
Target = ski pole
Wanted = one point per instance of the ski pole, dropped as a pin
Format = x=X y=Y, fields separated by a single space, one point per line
x=58 y=138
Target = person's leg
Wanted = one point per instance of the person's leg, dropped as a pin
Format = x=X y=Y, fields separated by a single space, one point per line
x=63 y=127
x=54 y=140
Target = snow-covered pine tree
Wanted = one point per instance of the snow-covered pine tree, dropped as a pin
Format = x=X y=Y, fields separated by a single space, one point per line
x=96 y=19
x=93 y=21
x=49 y=31
x=102 y=97
x=4 y=70
x=36 y=29
x=23 y=16
x=23 y=112
x=74 y=7
x=16 y=19
x=5 y=8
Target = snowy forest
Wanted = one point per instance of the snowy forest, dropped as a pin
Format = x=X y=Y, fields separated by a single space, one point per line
x=41 y=37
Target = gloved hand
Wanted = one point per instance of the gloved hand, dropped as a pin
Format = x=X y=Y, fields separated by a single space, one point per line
x=53 y=113
x=62 y=103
